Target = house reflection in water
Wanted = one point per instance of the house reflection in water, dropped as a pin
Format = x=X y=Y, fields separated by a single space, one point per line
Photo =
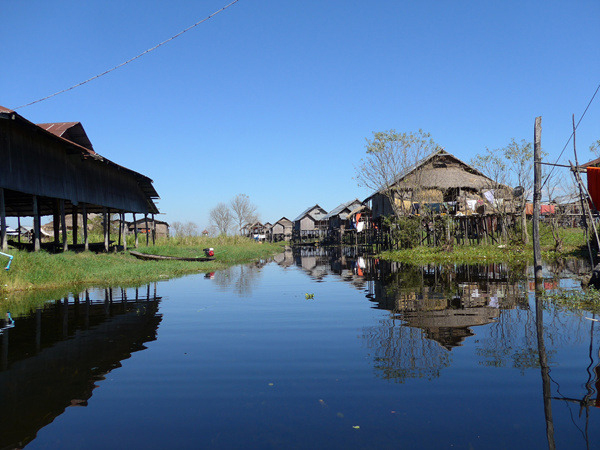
x=433 y=309
x=53 y=358
x=444 y=302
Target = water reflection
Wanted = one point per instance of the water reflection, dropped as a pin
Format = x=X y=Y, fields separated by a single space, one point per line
x=53 y=358
x=240 y=279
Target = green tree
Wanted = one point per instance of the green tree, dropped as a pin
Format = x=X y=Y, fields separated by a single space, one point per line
x=510 y=166
x=390 y=155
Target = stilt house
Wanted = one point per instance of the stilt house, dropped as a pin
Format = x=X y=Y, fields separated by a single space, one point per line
x=282 y=230
x=52 y=169
x=337 y=218
x=441 y=182
x=311 y=222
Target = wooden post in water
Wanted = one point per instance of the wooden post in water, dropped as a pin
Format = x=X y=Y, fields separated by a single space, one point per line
x=3 y=239
x=36 y=225
x=537 y=196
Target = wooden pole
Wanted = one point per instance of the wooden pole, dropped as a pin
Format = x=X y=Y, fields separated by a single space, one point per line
x=147 y=235
x=86 y=243
x=75 y=219
x=19 y=229
x=135 y=231
x=3 y=239
x=124 y=233
x=120 y=229
x=63 y=225
x=56 y=221
x=153 y=230
x=106 y=228
x=36 y=225
x=537 y=196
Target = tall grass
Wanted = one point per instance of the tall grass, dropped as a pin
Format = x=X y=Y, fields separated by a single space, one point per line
x=74 y=271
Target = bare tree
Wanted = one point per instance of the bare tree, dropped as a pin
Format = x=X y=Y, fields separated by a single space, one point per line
x=221 y=218
x=185 y=229
x=511 y=165
x=595 y=147
x=389 y=156
x=243 y=210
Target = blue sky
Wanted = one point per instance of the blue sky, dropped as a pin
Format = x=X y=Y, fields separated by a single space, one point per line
x=274 y=99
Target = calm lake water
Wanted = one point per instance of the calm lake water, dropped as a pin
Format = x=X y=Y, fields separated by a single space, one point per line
x=307 y=351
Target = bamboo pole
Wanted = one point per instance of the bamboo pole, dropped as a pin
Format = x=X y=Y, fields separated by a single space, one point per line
x=537 y=196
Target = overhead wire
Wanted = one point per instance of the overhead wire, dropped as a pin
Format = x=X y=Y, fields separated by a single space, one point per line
x=572 y=134
x=131 y=59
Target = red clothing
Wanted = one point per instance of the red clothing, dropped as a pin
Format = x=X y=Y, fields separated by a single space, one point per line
x=593 y=179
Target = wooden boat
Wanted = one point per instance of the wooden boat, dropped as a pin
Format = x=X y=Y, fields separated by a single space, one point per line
x=147 y=257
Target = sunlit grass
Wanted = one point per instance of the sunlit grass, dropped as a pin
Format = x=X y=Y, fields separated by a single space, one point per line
x=72 y=271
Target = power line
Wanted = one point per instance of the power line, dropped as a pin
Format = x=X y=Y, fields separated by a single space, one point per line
x=572 y=134
x=130 y=60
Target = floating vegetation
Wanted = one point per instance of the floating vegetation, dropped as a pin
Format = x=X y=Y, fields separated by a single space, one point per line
x=576 y=300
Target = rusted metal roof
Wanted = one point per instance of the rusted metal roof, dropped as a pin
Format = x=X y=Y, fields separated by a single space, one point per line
x=72 y=131
x=59 y=130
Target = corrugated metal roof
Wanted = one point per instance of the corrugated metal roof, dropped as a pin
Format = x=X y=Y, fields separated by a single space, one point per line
x=72 y=131
x=317 y=216
x=337 y=210
x=145 y=182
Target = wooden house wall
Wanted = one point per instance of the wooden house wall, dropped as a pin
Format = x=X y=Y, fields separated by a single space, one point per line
x=37 y=164
x=279 y=228
x=307 y=223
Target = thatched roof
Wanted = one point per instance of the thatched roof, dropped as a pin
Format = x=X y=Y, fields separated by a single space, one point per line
x=442 y=170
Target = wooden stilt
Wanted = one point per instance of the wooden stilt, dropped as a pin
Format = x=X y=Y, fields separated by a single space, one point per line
x=135 y=231
x=36 y=225
x=153 y=230
x=120 y=229
x=124 y=233
x=106 y=228
x=75 y=219
x=19 y=229
x=86 y=243
x=147 y=231
x=3 y=239
x=56 y=221
x=63 y=225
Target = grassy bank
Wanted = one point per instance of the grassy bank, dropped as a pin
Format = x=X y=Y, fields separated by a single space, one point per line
x=572 y=239
x=72 y=271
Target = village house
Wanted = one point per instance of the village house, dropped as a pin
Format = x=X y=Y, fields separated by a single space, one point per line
x=54 y=170
x=337 y=218
x=282 y=230
x=255 y=230
x=440 y=182
x=160 y=228
x=310 y=223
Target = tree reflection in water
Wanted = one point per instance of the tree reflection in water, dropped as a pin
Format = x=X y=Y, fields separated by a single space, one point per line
x=241 y=279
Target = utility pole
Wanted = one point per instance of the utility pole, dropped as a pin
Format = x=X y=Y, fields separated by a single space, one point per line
x=537 y=196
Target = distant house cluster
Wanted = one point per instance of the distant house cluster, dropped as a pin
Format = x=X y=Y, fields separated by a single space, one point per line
x=313 y=223
x=439 y=182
